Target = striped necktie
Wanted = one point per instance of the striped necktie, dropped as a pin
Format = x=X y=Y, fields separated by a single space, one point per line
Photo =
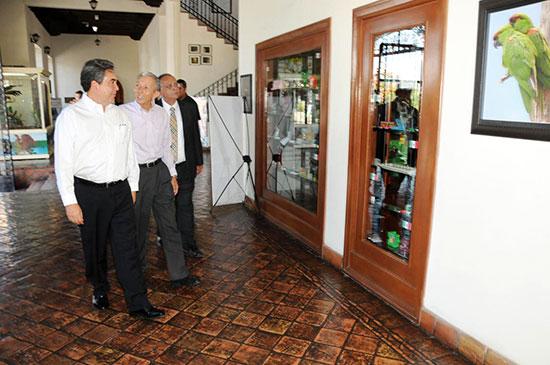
x=174 y=133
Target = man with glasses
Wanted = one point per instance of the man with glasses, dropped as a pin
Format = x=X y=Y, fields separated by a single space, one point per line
x=186 y=146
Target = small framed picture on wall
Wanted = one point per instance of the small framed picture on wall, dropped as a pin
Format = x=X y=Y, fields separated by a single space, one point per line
x=206 y=60
x=194 y=48
x=194 y=60
x=206 y=49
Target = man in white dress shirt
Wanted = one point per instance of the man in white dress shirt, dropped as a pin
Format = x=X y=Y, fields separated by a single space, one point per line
x=97 y=177
x=158 y=183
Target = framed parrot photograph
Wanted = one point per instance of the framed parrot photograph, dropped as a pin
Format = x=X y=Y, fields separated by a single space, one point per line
x=512 y=80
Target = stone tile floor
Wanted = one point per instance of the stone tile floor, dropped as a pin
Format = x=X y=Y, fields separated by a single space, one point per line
x=264 y=299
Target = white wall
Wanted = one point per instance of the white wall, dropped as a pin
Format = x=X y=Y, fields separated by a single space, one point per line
x=487 y=270
x=73 y=50
x=224 y=57
x=34 y=26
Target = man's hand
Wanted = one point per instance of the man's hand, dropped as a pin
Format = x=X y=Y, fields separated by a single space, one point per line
x=199 y=169
x=74 y=213
x=175 y=185
x=134 y=196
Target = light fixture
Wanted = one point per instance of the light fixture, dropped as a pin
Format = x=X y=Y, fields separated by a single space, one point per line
x=96 y=17
x=47 y=50
x=97 y=42
x=94 y=28
x=35 y=37
x=93 y=4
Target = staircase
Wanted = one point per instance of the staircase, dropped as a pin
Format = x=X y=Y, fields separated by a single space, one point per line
x=227 y=85
x=214 y=18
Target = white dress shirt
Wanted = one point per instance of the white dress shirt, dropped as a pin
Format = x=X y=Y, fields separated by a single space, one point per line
x=181 y=137
x=94 y=145
x=151 y=134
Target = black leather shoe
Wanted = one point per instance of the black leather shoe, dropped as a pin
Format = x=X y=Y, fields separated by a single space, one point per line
x=196 y=253
x=100 y=302
x=148 y=313
x=190 y=280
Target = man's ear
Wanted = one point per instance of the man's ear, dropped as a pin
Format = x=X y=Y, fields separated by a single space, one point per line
x=92 y=84
x=156 y=94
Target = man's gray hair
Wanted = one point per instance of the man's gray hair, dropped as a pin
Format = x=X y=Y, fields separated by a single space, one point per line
x=150 y=74
x=94 y=70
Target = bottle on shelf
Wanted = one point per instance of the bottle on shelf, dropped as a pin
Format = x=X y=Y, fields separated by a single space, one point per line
x=378 y=193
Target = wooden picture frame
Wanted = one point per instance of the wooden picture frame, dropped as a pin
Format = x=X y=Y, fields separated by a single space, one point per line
x=206 y=60
x=246 y=93
x=194 y=48
x=194 y=60
x=499 y=108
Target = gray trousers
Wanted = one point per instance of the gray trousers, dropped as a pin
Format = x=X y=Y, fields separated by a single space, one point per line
x=156 y=193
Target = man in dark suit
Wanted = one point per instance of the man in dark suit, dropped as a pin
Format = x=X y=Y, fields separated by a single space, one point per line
x=184 y=116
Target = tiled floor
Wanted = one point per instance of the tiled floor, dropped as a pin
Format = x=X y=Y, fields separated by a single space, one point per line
x=264 y=299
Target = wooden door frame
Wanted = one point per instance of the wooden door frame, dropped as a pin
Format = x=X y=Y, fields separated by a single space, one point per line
x=397 y=281
x=306 y=225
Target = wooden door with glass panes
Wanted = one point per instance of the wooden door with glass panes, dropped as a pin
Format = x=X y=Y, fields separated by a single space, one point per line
x=291 y=92
x=393 y=140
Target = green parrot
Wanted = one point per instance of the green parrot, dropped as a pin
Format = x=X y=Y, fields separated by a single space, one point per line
x=522 y=23
x=518 y=57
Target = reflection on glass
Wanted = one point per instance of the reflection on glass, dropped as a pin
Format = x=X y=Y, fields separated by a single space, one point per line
x=395 y=101
x=23 y=104
x=292 y=112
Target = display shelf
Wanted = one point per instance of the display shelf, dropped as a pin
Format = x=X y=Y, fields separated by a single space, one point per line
x=307 y=125
x=402 y=169
x=306 y=146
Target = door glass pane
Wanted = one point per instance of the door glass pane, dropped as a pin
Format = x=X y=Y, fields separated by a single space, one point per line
x=396 y=93
x=292 y=114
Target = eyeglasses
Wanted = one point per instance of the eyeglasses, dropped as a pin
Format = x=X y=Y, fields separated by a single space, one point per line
x=169 y=86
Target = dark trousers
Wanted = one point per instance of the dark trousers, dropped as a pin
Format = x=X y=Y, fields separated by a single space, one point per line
x=185 y=215
x=108 y=214
x=156 y=193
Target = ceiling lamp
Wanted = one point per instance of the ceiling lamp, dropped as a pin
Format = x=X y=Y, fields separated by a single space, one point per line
x=97 y=42
x=35 y=37
x=93 y=4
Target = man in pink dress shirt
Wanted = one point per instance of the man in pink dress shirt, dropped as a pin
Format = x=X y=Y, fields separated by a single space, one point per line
x=157 y=177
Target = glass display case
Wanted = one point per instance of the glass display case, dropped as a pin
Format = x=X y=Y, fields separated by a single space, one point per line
x=292 y=114
x=291 y=124
x=29 y=111
x=397 y=91
x=394 y=129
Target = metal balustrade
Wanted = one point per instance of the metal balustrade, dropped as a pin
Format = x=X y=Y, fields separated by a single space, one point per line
x=221 y=86
x=214 y=17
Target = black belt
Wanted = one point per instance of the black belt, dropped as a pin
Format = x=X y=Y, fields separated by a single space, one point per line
x=99 y=185
x=150 y=164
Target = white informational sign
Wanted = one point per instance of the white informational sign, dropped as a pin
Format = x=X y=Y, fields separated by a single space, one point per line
x=202 y=102
x=226 y=117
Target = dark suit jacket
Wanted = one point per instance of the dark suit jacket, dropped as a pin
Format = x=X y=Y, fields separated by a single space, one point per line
x=193 y=147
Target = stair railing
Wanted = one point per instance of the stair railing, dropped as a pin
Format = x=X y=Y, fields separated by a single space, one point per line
x=220 y=86
x=214 y=17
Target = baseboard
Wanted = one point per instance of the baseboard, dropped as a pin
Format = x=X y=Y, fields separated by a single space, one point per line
x=466 y=345
x=332 y=257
